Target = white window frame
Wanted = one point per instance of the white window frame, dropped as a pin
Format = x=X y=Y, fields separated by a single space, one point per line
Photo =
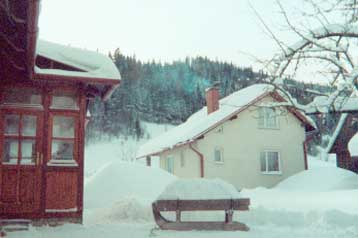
x=266 y=162
x=170 y=164
x=221 y=161
x=263 y=119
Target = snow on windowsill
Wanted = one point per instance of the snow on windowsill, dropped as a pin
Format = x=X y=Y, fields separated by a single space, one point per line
x=75 y=209
x=10 y=163
x=62 y=163
x=272 y=173
x=219 y=162
x=269 y=128
x=20 y=105
x=65 y=108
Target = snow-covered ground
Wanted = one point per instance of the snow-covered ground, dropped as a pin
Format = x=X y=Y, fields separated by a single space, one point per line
x=320 y=202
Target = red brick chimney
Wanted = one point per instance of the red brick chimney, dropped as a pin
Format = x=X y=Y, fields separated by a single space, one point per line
x=212 y=99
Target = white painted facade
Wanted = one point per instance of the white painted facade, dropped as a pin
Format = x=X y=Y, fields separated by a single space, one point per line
x=241 y=142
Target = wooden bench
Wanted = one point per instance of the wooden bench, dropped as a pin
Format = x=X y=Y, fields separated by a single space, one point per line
x=178 y=206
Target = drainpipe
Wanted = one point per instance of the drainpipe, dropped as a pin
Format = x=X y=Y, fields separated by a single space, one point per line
x=32 y=31
x=201 y=158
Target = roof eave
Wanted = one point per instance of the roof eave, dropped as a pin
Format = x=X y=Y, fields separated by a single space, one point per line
x=110 y=84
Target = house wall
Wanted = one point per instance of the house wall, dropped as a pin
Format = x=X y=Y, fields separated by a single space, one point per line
x=191 y=166
x=242 y=141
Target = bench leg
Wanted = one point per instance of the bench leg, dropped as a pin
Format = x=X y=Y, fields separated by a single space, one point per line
x=228 y=216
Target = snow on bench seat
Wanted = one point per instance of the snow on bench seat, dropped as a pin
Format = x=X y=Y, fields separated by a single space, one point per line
x=199 y=189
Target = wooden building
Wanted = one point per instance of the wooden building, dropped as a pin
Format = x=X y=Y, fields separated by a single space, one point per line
x=44 y=93
x=346 y=128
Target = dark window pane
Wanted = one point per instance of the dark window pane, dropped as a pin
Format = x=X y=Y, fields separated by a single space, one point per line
x=217 y=155
x=12 y=124
x=63 y=127
x=62 y=150
x=272 y=162
x=28 y=125
x=263 y=161
x=67 y=100
x=22 y=96
x=170 y=164
x=10 y=153
x=28 y=151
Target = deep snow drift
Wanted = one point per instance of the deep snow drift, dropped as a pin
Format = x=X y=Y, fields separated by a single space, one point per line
x=321 y=179
x=120 y=180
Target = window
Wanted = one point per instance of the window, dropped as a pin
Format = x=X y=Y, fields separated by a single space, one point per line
x=27 y=96
x=19 y=139
x=63 y=139
x=268 y=118
x=270 y=162
x=219 y=129
x=218 y=155
x=64 y=100
x=182 y=159
x=170 y=165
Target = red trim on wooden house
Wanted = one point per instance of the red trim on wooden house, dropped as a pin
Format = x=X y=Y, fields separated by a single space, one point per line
x=90 y=80
x=111 y=84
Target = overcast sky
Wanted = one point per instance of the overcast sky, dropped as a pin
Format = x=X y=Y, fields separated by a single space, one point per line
x=165 y=30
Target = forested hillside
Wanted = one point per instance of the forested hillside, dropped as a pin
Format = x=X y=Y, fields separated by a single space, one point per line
x=169 y=92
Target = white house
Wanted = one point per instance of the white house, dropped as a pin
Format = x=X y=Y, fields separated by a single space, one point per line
x=241 y=139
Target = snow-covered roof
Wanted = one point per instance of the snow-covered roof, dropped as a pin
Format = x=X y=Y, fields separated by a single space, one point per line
x=200 y=122
x=340 y=104
x=95 y=65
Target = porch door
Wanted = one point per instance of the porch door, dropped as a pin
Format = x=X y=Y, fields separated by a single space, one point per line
x=20 y=161
x=62 y=167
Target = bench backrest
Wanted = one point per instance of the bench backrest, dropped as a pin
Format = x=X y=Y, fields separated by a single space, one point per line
x=203 y=205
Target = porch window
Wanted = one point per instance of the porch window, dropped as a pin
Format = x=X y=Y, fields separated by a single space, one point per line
x=270 y=162
x=11 y=149
x=64 y=100
x=19 y=139
x=63 y=139
x=268 y=118
x=22 y=96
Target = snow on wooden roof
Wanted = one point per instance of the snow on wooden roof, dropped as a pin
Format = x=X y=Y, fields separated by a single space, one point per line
x=94 y=64
x=200 y=122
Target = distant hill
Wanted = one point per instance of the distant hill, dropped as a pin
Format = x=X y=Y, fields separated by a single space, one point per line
x=170 y=92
